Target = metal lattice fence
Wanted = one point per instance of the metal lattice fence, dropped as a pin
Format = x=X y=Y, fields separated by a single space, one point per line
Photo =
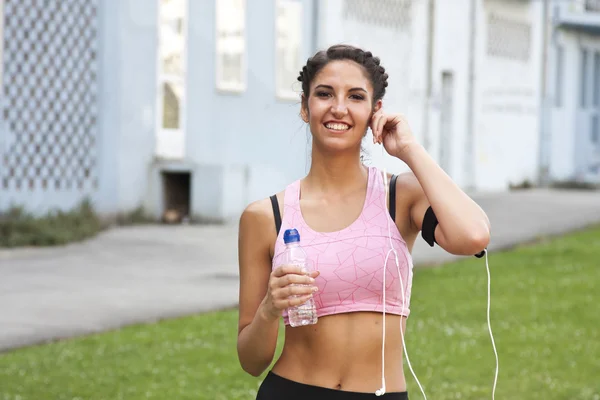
x=387 y=29
x=49 y=94
x=507 y=38
x=392 y=14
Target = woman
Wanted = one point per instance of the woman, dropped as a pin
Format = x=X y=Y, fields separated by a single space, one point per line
x=340 y=210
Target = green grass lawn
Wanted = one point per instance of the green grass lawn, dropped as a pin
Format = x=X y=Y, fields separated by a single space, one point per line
x=545 y=318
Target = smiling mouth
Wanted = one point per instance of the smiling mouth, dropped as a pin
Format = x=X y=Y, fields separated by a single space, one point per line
x=337 y=127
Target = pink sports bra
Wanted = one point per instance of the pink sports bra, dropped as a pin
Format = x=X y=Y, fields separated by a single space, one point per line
x=352 y=261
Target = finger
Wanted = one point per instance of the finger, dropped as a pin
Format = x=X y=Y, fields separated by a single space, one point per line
x=297 y=290
x=301 y=299
x=314 y=274
x=294 y=279
x=281 y=294
x=372 y=126
x=288 y=269
x=294 y=301
x=379 y=127
x=391 y=124
x=395 y=121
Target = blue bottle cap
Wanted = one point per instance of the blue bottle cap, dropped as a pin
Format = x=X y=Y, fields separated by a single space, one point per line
x=291 y=236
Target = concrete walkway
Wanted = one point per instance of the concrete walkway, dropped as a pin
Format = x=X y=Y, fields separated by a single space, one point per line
x=145 y=273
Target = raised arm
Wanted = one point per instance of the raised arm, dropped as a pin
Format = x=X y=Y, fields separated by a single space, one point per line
x=463 y=227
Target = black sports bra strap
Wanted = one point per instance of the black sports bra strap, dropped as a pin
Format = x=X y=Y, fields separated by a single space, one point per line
x=393 y=197
x=276 y=212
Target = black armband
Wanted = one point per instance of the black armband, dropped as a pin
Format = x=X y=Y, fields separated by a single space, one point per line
x=428 y=229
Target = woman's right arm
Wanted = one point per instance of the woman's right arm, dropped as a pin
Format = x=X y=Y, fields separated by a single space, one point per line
x=263 y=293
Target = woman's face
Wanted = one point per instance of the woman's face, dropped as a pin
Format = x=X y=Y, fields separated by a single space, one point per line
x=340 y=106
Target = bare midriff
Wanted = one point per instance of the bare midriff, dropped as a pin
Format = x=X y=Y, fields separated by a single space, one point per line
x=343 y=351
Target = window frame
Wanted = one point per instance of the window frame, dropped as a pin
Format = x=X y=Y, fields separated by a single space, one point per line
x=220 y=84
x=584 y=58
x=1 y=54
x=163 y=78
x=559 y=76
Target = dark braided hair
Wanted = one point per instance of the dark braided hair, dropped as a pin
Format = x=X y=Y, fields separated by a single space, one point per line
x=375 y=72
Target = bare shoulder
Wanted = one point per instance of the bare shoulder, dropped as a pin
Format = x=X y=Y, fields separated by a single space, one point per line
x=407 y=181
x=409 y=186
x=408 y=189
x=259 y=213
x=258 y=221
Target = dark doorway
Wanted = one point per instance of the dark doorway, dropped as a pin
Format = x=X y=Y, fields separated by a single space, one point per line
x=176 y=196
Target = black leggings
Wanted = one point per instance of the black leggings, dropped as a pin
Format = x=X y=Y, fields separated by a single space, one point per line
x=276 y=387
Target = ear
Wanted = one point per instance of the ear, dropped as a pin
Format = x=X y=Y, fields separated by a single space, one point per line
x=377 y=106
x=304 y=109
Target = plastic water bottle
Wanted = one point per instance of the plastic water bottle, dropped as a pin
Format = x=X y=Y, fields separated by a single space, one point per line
x=304 y=314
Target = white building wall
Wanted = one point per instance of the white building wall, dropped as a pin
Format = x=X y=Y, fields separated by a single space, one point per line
x=507 y=93
x=451 y=54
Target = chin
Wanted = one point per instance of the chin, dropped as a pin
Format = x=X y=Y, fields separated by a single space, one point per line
x=340 y=144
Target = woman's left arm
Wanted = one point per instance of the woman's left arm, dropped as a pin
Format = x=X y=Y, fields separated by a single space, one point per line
x=463 y=227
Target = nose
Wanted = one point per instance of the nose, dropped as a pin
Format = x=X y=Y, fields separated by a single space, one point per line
x=339 y=109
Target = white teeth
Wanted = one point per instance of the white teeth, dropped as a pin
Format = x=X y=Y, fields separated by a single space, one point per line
x=337 y=127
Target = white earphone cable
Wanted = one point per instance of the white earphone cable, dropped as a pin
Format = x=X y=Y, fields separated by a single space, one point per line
x=393 y=250
x=382 y=390
x=490 y=325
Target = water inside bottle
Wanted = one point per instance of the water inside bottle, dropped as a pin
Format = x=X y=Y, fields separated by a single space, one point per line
x=304 y=314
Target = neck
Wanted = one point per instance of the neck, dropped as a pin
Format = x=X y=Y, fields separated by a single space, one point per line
x=336 y=173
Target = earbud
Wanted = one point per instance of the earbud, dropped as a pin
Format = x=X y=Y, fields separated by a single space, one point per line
x=380 y=392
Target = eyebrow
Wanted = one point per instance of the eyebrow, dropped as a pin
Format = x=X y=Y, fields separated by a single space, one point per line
x=331 y=88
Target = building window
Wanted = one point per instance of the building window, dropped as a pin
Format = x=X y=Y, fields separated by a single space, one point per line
x=583 y=78
x=172 y=35
x=559 y=76
x=391 y=14
x=172 y=69
x=595 y=132
x=592 y=5
x=509 y=39
x=1 y=56
x=596 y=80
x=288 y=47
x=231 y=45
